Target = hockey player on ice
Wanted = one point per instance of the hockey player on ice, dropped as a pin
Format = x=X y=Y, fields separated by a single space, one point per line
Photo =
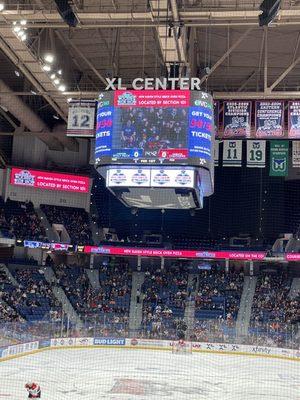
x=34 y=390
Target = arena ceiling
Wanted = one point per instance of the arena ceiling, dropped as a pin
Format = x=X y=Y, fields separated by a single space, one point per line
x=218 y=40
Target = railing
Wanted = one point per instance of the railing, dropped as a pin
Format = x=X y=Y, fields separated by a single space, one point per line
x=209 y=331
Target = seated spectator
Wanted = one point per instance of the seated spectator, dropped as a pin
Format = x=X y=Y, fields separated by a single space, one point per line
x=75 y=220
x=23 y=221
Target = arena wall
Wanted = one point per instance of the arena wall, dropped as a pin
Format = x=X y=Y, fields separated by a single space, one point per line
x=23 y=349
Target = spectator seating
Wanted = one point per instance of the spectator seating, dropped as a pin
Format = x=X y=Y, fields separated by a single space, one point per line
x=75 y=220
x=271 y=303
x=108 y=305
x=33 y=298
x=19 y=220
x=218 y=295
x=164 y=294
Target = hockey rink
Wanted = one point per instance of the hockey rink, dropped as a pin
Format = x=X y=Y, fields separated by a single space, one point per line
x=94 y=374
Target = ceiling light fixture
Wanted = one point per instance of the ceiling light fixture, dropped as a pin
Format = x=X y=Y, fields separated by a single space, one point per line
x=1 y=7
x=49 y=58
x=56 y=81
x=62 y=88
x=46 y=68
x=23 y=22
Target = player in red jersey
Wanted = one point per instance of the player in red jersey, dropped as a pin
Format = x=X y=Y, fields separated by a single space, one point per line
x=34 y=390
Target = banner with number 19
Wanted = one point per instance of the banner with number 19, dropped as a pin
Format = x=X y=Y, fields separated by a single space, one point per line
x=256 y=153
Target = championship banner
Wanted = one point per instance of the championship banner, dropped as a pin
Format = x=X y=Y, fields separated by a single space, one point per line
x=237 y=119
x=294 y=120
x=269 y=119
x=81 y=118
x=279 y=156
x=256 y=153
x=296 y=154
x=216 y=152
x=232 y=153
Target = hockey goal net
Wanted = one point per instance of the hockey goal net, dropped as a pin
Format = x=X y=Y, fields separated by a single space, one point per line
x=181 y=346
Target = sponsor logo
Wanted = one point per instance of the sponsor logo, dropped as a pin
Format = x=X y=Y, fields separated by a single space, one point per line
x=103 y=103
x=127 y=99
x=261 y=350
x=134 y=342
x=205 y=254
x=197 y=346
x=139 y=178
x=82 y=341
x=100 y=250
x=24 y=177
x=149 y=153
x=109 y=341
x=44 y=343
x=183 y=178
x=63 y=342
x=161 y=178
x=118 y=177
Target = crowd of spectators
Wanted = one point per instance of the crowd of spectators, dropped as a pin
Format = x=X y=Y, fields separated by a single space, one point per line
x=75 y=220
x=164 y=297
x=19 y=220
x=7 y=313
x=272 y=307
x=106 y=305
x=218 y=294
x=33 y=298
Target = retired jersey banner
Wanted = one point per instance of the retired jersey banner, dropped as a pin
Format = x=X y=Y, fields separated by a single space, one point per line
x=81 y=118
x=256 y=153
x=237 y=119
x=296 y=154
x=294 y=120
x=279 y=157
x=216 y=152
x=232 y=153
x=269 y=119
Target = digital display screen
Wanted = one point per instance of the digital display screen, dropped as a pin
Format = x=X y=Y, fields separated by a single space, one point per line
x=46 y=180
x=154 y=127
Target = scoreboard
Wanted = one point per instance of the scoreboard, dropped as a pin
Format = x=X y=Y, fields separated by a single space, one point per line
x=154 y=148
x=148 y=127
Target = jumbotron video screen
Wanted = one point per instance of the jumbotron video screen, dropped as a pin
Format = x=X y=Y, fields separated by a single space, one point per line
x=154 y=127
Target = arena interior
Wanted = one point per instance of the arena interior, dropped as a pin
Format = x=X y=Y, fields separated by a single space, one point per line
x=150 y=199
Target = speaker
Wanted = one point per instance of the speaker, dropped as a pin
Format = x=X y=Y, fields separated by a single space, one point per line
x=66 y=12
x=269 y=10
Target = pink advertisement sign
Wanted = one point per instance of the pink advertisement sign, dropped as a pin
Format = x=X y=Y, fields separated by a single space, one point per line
x=152 y=98
x=49 y=180
x=148 y=252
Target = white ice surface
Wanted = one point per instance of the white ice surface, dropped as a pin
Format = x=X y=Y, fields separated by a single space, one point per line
x=95 y=374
